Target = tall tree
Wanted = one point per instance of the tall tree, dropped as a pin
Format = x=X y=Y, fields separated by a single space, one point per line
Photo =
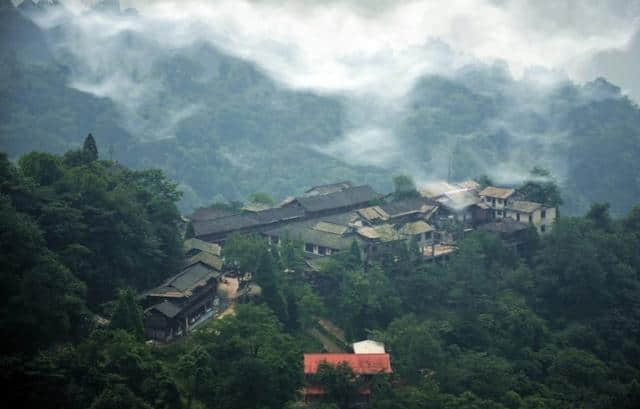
x=90 y=148
x=404 y=187
x=340 y=383
x=541 y=188
x=128 y=314
x=262 y=365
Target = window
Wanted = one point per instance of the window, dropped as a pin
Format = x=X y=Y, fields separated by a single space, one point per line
x=322 y=250
x=543 y=228
x=518 y=216
x=530 y=218
x=308 y=247
x=543 y=214
x=499 y=212
x=493 y=201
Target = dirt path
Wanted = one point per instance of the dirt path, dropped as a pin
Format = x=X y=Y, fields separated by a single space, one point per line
x=229 y=287
x=333 y=330
x=326 y=342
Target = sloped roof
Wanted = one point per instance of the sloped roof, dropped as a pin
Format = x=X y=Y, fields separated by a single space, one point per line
x=191 y=277
x=362 y=364
x=417 y=227
x=184 y=283
x=384 y=232
x=498 y=192
x=407 y=206
x=368 y=347
x=388 y=232
x=331 y=228
x=329 y=188
x=299 y=231
x=224 y=224
x=286 y=201
x=197 y=244
x=342 y=218
x=524 y=206
x=469 y=184
x=207 y=213
x=459 y=200
x=246 y=220
x=354 y=196
x=373 y=213
x=206 y=258
x=437 y=189
x=256 y=207
x=368 y=232
x=277 y=214
x=166 y=308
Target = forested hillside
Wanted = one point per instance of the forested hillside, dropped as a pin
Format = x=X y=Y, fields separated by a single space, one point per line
x=175 y=119
x=224 y=129
x=555 y=326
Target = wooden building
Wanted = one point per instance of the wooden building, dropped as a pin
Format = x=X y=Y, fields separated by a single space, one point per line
x=537 y=214
x=364 y=366
x=181 y=302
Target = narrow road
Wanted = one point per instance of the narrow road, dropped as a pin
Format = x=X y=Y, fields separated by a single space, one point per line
x=326 y=342
x=332 y=329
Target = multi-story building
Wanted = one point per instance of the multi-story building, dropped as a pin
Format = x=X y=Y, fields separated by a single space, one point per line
x=498 y=199
x=541 y=216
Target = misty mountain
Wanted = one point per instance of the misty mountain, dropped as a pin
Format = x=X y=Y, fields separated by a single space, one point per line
x=485 y=122
x=224 y=128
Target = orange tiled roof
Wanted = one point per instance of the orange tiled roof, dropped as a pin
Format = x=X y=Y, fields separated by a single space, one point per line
x=364 y=364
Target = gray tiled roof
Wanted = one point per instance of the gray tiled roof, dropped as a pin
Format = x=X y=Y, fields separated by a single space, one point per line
x=358 y=195
x=167 y=309
x=299 y=231
x=207 y=213
x=499 y=192
x=330 y=188
x=404 y=206
x=183 y=283
x=246 y=220
x=190 y=277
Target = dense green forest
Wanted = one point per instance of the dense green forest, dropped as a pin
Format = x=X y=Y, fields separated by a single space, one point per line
x=86 y=226
x=245 y=132
x=556 y=326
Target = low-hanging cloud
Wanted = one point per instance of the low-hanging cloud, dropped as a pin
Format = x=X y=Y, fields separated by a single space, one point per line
x=336 y=46
x=370 y=51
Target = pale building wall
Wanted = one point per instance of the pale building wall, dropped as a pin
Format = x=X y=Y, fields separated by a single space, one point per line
x=498 y=206
x=536 y=218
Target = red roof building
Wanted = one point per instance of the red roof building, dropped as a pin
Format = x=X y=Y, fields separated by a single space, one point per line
x=361 y=364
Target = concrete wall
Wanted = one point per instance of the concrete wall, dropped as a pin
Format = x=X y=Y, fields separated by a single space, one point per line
x=536 y=218
x=498 y=206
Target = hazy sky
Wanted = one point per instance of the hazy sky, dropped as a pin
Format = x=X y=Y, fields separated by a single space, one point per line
x=357 y=45
x=370 y=51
